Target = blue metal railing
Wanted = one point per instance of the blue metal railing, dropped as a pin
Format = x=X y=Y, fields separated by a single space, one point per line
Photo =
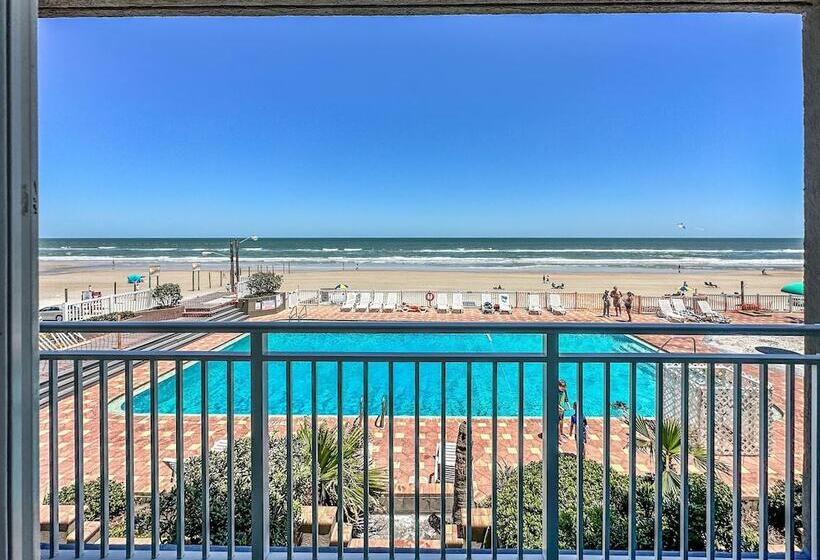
x=550 y=359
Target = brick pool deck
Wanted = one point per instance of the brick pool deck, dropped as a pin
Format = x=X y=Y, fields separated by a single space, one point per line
x=404 y=454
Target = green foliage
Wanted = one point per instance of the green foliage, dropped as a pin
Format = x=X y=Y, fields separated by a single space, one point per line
x=218 y=488
x=92 y=490
x=619 y=512
x=352 y=460
x=167 y=295
x=118 y=316
x=264 y=284
x=777 y=508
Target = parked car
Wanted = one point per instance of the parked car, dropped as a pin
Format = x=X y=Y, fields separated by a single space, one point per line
x=51 y=313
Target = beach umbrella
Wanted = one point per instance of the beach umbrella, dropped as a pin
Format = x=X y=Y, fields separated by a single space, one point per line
x=135 y=278
x=341 y=287
x=795 y=288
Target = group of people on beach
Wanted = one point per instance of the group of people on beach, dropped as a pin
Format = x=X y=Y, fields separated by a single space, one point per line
x=615 y=299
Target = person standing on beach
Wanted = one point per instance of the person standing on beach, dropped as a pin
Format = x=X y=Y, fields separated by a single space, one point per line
x=628 y=305
x=616 y=300
x=606 y=303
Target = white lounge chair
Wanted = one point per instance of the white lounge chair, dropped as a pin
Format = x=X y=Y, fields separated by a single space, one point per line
x=447 y=466
x=708 y=313
x=390 y=304
x=486 y=303
x=680 y=308
x=350 y=301
x=534 y=304
x=219 y=445
x=458 y=303
x=364 y=302
x=665 y=311
x=504 y=303
x=378 y=302
x=555 y=305
x=441 y=302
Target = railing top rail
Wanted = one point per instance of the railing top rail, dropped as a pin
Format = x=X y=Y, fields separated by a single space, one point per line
x=452 y=357
x=433 y=327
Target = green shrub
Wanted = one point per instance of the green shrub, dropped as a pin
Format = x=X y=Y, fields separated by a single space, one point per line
x=118 y=316
x=167 y=295
x=777 y=509
x=619 y=512
x=264 y=284
x=92 y=490
x=218 y=488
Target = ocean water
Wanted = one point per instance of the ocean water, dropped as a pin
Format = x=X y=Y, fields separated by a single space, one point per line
x=430 y=375
x=466 y=253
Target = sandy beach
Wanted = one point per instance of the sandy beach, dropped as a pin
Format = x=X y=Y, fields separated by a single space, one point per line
x=75 y=276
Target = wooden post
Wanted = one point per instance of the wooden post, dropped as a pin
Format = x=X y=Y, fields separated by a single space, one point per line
x=209 y=279
x=65 y=293
x=115 y=288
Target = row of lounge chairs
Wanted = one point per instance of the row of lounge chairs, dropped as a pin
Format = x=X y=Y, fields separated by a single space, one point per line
x=675 y=310
x=363 y=302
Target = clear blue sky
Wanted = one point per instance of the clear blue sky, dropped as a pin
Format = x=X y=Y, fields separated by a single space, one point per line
x=425 y=126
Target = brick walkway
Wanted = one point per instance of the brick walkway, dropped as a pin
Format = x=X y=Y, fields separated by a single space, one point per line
x=404 y=454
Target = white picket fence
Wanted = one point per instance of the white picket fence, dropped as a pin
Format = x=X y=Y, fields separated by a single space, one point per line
x=782 y=303
x=97 y=307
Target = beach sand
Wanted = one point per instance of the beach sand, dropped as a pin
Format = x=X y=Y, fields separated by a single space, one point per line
x=77 y=275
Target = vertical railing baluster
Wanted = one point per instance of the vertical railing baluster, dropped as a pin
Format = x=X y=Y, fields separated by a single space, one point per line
x=366 y=459
x=53 y=459
x=443 y=462
x=129 y=459
x=79 y=478
x=684 y=460
x=789 y=498
x=469 y=458
x=391 y=498
x=417 y=466
x=606 y=520
x=737 y=423
x=710 y=462
x=633 y=462
x=314 y=463
x=154 y=429
x=104 y=477
x=520 y=446
x=260 y=447
x=494 y=542
x=763 y=464
x=658 y=460
x=579 y=450
x=204 y=438
x=180 y=458
x=340 y=431
x=231 y=459
x=289 y=453
x=549 y=490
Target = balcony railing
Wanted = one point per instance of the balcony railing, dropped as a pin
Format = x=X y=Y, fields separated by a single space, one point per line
x=499 y=408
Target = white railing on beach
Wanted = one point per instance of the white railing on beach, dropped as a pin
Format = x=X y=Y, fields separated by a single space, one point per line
x=781 y=303
x=118 y=303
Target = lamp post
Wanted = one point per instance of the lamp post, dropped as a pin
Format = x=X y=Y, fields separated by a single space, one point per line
x=233 y=249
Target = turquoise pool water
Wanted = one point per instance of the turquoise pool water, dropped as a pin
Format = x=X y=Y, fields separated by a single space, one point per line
x=430 y=376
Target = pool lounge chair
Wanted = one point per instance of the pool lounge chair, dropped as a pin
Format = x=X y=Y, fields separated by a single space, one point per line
x=504 y=303
x=448 y=466
x=350 y=301
x=390 y=304
x=441 y=302
x=458 y=303
x=486 y=303
x=555 y=305
x=534 y=304
x=378 y=302
x=710 y=314
x=665 y=311
x=364 y=302
x=219 y=445
x=680 y=308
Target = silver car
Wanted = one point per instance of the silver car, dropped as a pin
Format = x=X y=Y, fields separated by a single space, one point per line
x=51 y=313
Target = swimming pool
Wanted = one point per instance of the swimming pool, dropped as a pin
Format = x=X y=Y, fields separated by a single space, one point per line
x=404 y=396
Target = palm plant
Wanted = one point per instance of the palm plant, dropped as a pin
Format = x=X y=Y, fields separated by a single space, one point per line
x=352 y=460
x=670 y=449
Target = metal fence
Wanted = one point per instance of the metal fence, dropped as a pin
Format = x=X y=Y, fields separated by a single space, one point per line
x=528 y=381
x=780 y=303
x=97 y=307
